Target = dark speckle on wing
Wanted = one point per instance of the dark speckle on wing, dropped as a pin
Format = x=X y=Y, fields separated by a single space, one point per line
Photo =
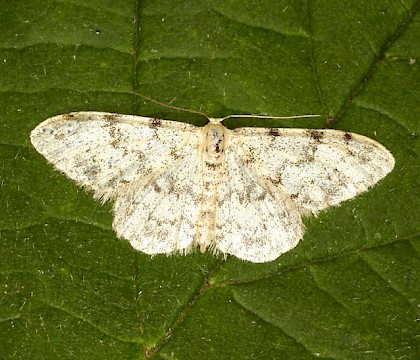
x=156 y=122
x=68 y=116
x=348 y=136
x=317 y=135
x=273 y=132
x=111 y=117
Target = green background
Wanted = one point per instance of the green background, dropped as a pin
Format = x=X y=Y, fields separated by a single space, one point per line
x=69 y=289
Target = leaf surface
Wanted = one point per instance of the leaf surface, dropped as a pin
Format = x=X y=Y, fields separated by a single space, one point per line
x=71 y=289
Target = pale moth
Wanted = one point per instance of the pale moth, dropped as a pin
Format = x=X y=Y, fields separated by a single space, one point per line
x=241 y=192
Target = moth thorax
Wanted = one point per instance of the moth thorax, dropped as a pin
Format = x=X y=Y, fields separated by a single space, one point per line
x=215 y=140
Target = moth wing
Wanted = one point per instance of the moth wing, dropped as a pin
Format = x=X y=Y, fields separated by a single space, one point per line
x=316 y=168
x=160 y=215
x=104 y=151
x=255 y=221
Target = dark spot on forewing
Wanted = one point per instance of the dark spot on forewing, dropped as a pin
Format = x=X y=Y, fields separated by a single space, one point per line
x=348 y=136
x=115 y=143
x=249 y=159
x=171 y=187
x=351 y=153
x=273 y=132
x=113 y=132
x=155 y=122
x=174 y=154
x=68 y=116
x=249 y=189
x=277 y=180
x=59 y=135
x=317 y=135
x=111 y=117
x=157 y=188
x=262 y=196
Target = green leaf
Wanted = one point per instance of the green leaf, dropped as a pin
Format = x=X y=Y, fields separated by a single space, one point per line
x=71 y=289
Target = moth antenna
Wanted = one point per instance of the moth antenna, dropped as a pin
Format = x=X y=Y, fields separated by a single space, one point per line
x=170 y=106
x=270 y=117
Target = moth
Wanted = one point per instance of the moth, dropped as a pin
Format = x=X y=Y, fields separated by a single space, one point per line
x=241 y=192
